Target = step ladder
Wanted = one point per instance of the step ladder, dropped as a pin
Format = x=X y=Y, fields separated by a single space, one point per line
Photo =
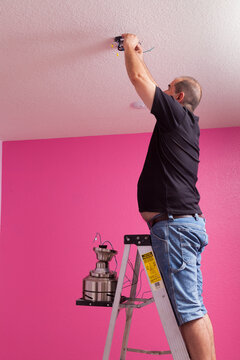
x=145 y=255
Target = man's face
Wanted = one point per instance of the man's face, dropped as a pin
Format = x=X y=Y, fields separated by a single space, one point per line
x=171 y=88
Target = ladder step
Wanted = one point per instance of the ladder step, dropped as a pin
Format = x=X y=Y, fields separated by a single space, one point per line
x=150 y=352
x=138 y=303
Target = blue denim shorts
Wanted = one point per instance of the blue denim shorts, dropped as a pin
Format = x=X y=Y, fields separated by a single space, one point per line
x=178 y=245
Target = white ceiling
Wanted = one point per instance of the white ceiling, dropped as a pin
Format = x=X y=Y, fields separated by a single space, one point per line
x=60 y=77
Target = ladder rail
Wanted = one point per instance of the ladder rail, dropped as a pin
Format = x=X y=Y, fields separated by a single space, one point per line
x=116 y=302
x=129 y=310
x=166 y=314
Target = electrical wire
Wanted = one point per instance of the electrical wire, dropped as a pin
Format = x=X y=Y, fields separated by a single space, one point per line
x=96 y=237
x=135 y=277
x=120 y=44
x=115 y=257
x=148 y=50
x=140 y=287
x=145 y=292
x=128 y=280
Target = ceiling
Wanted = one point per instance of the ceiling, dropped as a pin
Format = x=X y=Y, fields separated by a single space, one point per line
x=60 y=77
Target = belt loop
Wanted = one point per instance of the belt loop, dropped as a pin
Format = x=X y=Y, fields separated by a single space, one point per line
x=196 y=217
x=170 y=217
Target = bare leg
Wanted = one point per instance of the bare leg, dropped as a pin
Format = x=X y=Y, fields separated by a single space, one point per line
x=198 y=336
x=210 y=331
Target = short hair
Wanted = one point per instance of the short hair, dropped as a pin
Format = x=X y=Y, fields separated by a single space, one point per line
x=192 y=91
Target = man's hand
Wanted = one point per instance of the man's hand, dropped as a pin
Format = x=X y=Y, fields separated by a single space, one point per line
x=132 y=41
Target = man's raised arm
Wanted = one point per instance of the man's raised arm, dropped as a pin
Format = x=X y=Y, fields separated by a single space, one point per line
x=137 y=70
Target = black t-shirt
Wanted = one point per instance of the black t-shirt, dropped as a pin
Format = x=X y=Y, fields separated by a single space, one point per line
x=167 y=183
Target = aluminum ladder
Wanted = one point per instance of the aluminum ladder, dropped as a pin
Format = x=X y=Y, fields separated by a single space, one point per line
x=145 y=255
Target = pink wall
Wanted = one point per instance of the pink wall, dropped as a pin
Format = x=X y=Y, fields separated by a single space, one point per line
x=56 y=195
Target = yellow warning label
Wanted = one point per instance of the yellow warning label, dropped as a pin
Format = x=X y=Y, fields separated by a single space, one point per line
x=151 y=267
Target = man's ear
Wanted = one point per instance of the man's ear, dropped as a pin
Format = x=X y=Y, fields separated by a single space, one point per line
x=180 y=96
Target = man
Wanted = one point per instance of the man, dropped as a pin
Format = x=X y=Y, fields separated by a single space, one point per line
x=168 y=198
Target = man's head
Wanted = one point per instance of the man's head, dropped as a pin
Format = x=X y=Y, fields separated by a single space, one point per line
x=186 y=90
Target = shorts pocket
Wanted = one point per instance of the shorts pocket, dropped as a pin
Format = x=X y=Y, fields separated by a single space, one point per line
x=177 y=261
x=158 y=237
x=160 y=247
x=161 y=250
x=192 y=240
